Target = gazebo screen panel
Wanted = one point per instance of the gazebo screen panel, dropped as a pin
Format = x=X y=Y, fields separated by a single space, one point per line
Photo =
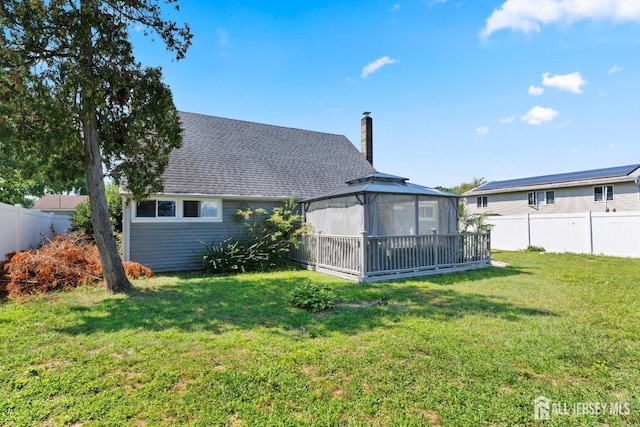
x=343 y=216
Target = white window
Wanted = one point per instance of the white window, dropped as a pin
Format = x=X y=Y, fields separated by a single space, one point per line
x=205 y=209
x=538 y=198
x=156 y=209
x=201 y=209
x=427 y=212
x=427 y=216
x=551 y=197
x=482 y=201
x=600 y=191
x=178 y=210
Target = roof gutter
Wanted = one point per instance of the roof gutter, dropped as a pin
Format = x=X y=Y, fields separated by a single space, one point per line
x=217 y=196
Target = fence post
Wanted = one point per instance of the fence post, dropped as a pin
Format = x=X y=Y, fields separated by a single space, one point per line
x=363 y=255
x=38 y=226
x=528 y=225
x=590 y=232
x=17 y=245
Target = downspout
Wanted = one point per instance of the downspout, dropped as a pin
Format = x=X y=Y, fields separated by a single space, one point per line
x=303 y=211
x=126 y=229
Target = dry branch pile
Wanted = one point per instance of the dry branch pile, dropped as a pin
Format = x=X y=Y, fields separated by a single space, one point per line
x=3 y=279
x=62 y=263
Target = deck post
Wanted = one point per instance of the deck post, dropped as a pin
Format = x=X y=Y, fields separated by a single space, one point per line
x=317 y=236
x=363 y=255
x=436 y=248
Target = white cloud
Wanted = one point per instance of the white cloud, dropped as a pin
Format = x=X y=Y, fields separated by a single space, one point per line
x=434 y=2
x=396 y=6
x=536 y=90
x=570 y=82
x=509 y=119
x=335 y=109
x=537 y=115
x=223 y=37
x=482 y=130
x=614 y=69
x=376 y=65
x=529 y=15
x=602 y=93
x=612 y=146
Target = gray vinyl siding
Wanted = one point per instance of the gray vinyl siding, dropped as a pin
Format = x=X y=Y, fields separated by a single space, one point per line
x=567 y=200
x=176 y=245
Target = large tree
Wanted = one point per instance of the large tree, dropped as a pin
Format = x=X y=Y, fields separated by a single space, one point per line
x=15 y=186
x=28 y=113
x=76 y=99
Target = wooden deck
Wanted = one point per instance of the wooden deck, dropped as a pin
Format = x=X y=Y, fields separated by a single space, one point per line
x=371 y=258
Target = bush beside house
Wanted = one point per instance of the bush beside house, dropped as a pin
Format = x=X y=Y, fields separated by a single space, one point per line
x=264 y=244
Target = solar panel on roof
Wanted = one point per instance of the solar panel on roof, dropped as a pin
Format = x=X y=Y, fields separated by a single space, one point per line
x=561 y=177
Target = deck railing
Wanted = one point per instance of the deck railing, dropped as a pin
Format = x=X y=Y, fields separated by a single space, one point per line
x=393 y=256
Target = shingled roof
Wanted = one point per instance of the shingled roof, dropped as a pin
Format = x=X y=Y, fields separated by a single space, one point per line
x=226 y=157
x=59 y=202
x=382 y=183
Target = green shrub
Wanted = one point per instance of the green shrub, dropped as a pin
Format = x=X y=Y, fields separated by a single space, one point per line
x=238 y=256
x=264 y=244
x=472 y=223
x=532 y=248
x=312 y=296
x=81 y=219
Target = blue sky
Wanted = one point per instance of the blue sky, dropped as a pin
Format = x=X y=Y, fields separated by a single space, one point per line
x=457 y=89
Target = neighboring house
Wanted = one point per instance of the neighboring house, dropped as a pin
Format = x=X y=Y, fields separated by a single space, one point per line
x=223 y=165
x=59 y=204
x=614 y=189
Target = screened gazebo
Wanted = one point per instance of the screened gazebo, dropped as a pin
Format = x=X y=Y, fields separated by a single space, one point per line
x=381 y=227
x=383 y=205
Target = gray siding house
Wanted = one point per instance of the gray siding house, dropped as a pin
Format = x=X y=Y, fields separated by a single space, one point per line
x=614 y=189
x=224 y=164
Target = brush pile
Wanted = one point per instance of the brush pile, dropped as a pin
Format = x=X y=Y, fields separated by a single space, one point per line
x=65 y=262
x=3 y=279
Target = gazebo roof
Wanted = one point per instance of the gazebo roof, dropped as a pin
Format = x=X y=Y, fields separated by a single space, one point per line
x=378 y=182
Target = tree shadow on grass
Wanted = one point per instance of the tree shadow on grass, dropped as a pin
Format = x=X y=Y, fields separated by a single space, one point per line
x=220 y=304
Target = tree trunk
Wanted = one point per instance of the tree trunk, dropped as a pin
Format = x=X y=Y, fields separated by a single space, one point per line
x=112 y=267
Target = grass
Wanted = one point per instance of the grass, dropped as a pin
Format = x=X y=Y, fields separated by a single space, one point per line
x=473 y=348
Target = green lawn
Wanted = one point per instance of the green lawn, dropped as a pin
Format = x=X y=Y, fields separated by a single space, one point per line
x=460 y=349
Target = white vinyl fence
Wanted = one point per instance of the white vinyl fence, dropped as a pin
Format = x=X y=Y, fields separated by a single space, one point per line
x=599 y=233
x=22 y=228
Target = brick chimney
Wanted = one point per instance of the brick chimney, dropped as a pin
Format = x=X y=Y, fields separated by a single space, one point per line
x=366 y=136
